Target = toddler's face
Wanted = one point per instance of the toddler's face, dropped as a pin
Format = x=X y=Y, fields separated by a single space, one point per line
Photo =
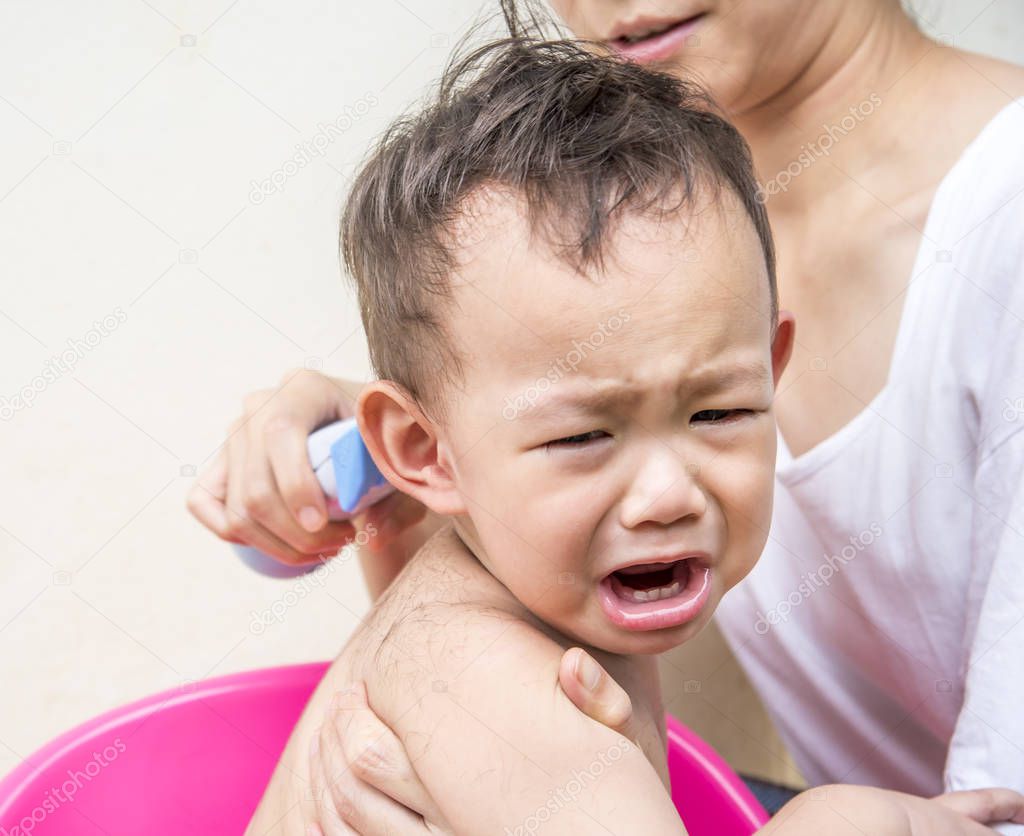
x=613 y=439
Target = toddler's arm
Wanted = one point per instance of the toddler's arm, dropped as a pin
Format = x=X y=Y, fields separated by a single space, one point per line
x=473 y=697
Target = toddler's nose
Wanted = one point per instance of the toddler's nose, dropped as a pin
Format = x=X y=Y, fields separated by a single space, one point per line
x=665 y=489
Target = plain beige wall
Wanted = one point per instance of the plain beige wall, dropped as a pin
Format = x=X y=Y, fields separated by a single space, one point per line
x=131 y=237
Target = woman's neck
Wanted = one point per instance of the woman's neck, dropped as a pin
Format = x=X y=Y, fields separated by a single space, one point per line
x=847 y=105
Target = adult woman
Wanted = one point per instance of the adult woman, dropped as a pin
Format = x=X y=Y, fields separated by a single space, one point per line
x=893 y=178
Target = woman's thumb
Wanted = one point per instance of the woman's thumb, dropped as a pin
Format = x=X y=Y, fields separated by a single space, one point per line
x=594 y=692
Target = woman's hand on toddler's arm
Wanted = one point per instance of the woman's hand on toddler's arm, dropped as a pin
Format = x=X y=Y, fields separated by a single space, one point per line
x=261 y=491
x=364 y=781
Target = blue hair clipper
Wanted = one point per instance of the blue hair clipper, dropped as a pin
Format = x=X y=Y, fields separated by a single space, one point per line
x=349 y=479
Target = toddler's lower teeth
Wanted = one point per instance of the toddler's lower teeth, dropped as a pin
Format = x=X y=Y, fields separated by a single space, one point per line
x=655 y=594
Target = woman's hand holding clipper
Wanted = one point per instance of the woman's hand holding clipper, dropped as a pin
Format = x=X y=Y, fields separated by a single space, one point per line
x=261 y=491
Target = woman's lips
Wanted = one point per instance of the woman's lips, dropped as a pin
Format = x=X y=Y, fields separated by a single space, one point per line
x=663 y=45
x=659 y=600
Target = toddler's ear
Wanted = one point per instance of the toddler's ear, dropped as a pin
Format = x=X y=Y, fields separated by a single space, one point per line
x=782 y=347
x=403 y=444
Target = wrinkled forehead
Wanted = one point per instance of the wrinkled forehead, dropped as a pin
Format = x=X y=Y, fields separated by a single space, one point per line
x=697 y=275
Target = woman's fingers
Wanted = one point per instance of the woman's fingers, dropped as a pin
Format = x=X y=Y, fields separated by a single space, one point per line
x=305 y=400
x=255 y=512
x=284 y=439
x=362 y=777
x=377 y=790
x=207 y=496
x=987 y=806
x=261 y=489
x=327 y=821
x=242 y=501
x=260 y=493
x=594 y=692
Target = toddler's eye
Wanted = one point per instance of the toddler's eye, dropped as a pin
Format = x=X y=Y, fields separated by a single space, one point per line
x=719 y=416
x=578 y=440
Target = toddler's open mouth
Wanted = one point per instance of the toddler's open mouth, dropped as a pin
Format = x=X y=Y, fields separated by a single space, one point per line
x=652 y=596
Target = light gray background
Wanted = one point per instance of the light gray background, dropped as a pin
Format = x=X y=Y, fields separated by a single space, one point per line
x=133 y=133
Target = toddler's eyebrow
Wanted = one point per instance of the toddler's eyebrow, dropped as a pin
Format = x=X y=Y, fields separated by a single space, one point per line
x=714 y=380
x=586 y=400
x=596 y=397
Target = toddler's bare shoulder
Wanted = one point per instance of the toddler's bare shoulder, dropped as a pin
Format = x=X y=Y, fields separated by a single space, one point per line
x=445 y=622
x=434 y=641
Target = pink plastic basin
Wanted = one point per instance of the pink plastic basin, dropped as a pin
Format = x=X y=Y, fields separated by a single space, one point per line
x=196 y=760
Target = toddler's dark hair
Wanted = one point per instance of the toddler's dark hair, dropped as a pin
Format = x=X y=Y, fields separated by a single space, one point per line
x=578 y=132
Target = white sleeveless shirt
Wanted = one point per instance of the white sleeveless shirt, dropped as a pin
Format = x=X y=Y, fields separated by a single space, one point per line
x=884 y=624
